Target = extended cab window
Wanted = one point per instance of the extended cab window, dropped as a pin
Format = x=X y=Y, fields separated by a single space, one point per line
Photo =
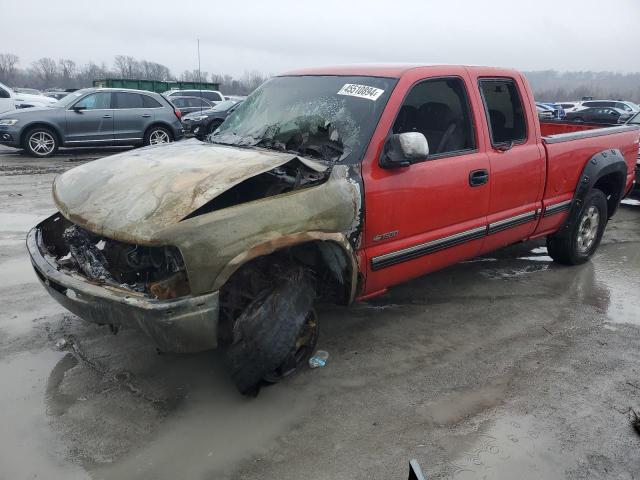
x=504 y=110
x=439 y=109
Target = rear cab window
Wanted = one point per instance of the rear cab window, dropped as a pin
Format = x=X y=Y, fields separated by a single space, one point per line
x=504 y=111
x=439 y=109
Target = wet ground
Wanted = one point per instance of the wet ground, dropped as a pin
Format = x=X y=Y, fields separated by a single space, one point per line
x=502 y=367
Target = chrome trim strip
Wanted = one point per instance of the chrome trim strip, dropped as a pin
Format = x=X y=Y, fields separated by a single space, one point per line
x=514 y=221
x=422 y=249
x=409 y=253
x=557 y=208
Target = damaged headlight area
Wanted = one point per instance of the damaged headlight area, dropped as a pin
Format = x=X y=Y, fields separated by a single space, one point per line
x=158 y=272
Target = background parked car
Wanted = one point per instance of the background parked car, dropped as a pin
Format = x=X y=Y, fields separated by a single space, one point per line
x=212 y=96
x=190 y=104
x=570 y=106
x=7 y=102
x=56 y=94
x=28 y=91
x=202 y=124
x=599 y=115
x=628 y=107
x=92 y=117
x=544 y=112
x=556 y=109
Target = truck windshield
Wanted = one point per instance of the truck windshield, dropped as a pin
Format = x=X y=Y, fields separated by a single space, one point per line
x=327 y=117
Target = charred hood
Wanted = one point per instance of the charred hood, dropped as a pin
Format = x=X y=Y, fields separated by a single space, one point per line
x=133 y=195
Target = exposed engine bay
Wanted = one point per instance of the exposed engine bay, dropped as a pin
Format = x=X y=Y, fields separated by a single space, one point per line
x=158 y=272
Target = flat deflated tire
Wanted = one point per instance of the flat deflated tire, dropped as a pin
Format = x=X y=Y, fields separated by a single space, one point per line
x=268 y=331
x=577 y=244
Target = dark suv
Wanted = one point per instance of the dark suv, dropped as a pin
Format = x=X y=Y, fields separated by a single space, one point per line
x=92 y=117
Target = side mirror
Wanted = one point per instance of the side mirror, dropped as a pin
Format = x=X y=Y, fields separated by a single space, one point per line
x=79 y=108
x=401 y=149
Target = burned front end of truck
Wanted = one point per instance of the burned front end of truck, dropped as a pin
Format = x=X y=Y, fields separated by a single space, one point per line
x=110 y=282
x=228 y=242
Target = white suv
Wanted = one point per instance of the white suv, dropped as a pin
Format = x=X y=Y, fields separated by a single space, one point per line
x=7 y=102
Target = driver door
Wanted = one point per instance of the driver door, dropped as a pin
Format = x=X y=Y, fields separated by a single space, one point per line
x=432 y=213
x=90 y=120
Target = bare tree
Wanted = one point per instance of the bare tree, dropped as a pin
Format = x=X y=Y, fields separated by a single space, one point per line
x=194 y=76
x=8 y=62
x=154 y=71
x=67 y=69
x=127 y=67
x=253 y=80
x=45 y=70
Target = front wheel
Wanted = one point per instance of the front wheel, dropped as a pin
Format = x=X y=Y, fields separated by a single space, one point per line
x=276 y=334
x=577 y=244
x=41 y=142
x=157 y=136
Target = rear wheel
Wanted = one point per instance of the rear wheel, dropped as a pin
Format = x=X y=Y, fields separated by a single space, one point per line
x=276 y=334
x=577 y=244
x=41 y=142
x=157 y=136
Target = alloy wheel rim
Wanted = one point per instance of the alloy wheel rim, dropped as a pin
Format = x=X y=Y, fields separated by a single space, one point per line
x=588 y=229
x=158 y=137
x=42 y=143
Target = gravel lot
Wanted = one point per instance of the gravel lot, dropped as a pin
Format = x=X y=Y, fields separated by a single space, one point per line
x=507 y=367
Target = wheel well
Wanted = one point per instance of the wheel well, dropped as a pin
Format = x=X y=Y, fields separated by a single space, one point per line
x=28 y=128
x=159 y=124
x=611 y=185
x=328 y=262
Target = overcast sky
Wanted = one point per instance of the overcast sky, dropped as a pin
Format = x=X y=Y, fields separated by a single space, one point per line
x=276 y=35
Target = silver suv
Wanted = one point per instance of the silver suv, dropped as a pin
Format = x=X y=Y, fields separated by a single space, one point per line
x=92 y=117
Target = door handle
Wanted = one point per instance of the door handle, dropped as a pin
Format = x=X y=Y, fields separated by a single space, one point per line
x=146 y=115
x=106 y=116
x=478 y=177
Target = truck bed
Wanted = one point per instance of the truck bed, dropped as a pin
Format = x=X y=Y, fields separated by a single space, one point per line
x=569 y=146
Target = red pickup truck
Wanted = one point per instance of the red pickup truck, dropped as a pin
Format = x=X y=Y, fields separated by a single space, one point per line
x=325 y=184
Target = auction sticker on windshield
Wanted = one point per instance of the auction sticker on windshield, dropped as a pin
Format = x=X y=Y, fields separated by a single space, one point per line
x=361 y=91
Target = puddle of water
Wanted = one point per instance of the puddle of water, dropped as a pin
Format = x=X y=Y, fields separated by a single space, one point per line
x=458 y=406
x=17 y=271
x=512 y=448
x=540 y=258
x=481 y=259
x=29 y=448
x=19 y=222
x=617 y=270
x=213 y=429
x=506 y=273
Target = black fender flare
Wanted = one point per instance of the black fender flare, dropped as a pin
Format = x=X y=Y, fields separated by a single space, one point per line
x=602 y=164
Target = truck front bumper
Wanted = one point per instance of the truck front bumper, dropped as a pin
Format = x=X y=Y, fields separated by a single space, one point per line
x=187 y=324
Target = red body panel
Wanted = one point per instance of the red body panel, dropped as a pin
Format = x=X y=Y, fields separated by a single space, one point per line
x=417 y=206
x=557 y=127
